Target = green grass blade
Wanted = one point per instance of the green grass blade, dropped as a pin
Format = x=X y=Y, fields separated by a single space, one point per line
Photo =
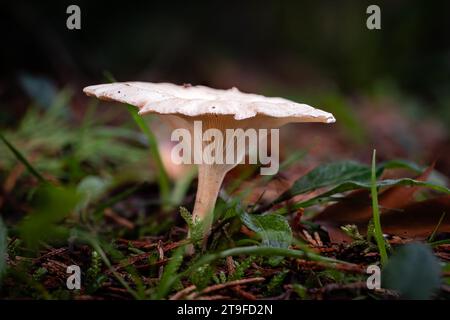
x=262 y=251
x=433 y=234
x=113 y=271
x=169 y=276
x=23 y=160
x=182 y=186
x=113 y=200
x=97 y=245
x=438 y=243
x=163 y=178
x=376 y=214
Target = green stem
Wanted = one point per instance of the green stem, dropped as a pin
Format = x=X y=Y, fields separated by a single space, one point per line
x=22 y=159
x=261 y=251
x=163 y=179
x=376 y=214
x=251 y=250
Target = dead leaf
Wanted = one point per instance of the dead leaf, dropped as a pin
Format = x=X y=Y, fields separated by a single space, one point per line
x=356 y=208
x=418 y=220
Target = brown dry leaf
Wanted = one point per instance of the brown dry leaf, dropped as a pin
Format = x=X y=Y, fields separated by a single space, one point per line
x=418 y=220
x=356 y=208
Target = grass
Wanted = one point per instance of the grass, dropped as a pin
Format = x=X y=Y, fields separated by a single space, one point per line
x=162 y=178
x=376 y=214
x=22 y=159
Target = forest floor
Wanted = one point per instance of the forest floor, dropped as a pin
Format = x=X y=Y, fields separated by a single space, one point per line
x=86 y=192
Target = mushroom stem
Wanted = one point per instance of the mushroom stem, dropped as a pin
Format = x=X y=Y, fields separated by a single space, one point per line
x=210 y=179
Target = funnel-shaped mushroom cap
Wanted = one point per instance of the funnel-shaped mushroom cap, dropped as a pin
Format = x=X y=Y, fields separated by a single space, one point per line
x=195 y=101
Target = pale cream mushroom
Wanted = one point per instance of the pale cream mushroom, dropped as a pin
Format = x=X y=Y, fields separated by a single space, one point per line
x=218 y=109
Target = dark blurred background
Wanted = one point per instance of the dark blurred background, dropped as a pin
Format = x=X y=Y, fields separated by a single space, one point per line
x=318 y=52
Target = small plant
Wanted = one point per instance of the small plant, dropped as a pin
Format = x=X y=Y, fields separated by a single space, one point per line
x=94 y=277
x=276 y=282
x=241 y=267
x=202 y=276
x=195 y=227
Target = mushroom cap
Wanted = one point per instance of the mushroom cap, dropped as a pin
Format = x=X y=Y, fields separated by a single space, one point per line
x=194 y=101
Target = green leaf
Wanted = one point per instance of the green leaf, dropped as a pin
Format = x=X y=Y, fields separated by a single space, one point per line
x=345 y=176
x=277 y=281
x=195 y=227
x=402 y=164
x=327 y=175
x=273 y=229
x=350 y=185
x=353 y=185
x=241 y=267
x=300 y=290
x=51 y=205
x=413 y=271
x=202 y=276
x=3 y=247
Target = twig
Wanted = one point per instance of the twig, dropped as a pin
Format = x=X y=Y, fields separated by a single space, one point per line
x=139 y=244
x=161 y=257
x=336 y=286
x=183 y=292
x=347 y=267
x=318 y=240
x=244 y=294
x=216 y=297
x=230 y=265
x=174 y=245
x=309 y=238
x=49 y=254
x=226 y=285
x=246 y=231
x=118 y=219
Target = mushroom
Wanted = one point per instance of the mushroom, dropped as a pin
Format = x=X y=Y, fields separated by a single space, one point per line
x=182 y=106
